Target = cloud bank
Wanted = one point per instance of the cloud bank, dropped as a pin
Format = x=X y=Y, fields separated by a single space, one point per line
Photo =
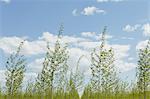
x=77 y=46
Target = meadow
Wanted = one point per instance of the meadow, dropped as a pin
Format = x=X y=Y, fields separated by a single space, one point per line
x=53 y=81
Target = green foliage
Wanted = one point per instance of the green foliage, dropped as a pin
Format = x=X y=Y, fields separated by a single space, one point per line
x=143 y=70
x=15 y=66
x=87 y=92
x=72 y=89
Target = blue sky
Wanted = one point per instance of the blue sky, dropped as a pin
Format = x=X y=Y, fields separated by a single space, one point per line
x=128 y=23
x=32 y=17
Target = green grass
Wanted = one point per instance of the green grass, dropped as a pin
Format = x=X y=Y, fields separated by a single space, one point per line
x=116 y=96
x=75 y=96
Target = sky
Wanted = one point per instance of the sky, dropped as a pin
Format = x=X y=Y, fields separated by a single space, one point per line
x=38 y=21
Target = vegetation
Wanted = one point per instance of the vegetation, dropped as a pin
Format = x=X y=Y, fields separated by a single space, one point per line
x=15 y=66
x=104 y=78
x=54 y=70
x=143 y=71
x=55 y=81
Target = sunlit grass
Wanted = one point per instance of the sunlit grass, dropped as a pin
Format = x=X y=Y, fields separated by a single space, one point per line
x=75 y=96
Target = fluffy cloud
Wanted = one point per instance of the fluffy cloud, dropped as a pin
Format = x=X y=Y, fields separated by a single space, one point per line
x=146 y=29
x=92 y=10
x=29 y=77
x=66 y=39
x=78 y=46
x=129 y=28
x=94 y=35
x=125 y=66
x=141 y=45
x=36 y=65
x=88 y=34
x=9 y=45
x=87 y=11
x=121 y=51
x=100 y=1
x=47 y=36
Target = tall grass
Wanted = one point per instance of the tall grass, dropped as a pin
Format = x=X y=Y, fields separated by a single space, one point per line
x=54 y=83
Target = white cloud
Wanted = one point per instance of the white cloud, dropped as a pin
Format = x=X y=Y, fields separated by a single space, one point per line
x=88 y=45
x=78 y=46
x=74 y=54
x=121 y=51
x=129 y=28
x=146 y=29
x=87 y=11
x=94 y=35
x=9 y=45
x=6 y=1
x=125 y=66
x=141 y=45
x=36 y=65
x=66 y=39
x=88 y=34
x=92 y=10
x=29 y=77
x=101 y=1
x=47 y=36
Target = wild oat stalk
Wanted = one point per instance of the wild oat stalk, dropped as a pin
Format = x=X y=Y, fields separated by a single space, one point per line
x=78 y=76
x=75 y=83
x=15 y=66
x=29 y=88
x=55 y=63
x=0 y=90
x=104 y=76
x=72 y=90
x=143 y=70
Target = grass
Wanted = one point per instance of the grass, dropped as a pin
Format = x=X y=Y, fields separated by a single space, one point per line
x=74 y=96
